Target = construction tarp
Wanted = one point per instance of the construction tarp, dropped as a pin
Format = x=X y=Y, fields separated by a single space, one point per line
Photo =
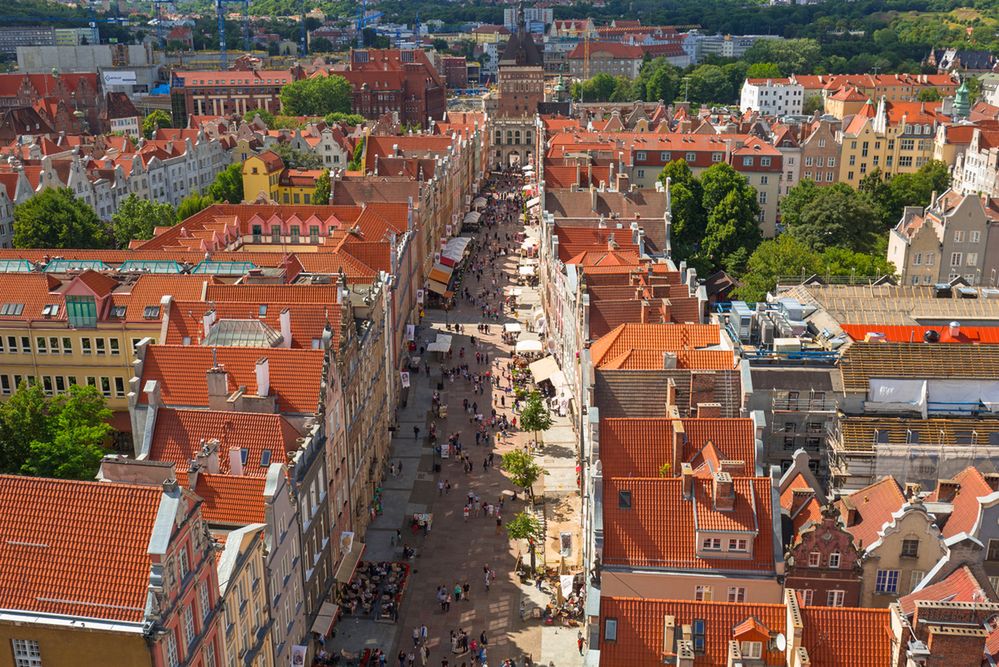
x=544 y=369
x=472 y=218
x=528 y=346
x=893 y=393
x=345 y=571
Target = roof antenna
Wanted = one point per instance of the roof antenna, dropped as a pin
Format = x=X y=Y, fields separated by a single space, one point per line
x=215 y=360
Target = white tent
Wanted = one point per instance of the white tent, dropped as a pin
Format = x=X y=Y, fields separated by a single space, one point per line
x=480 y=202
x=528 y=346
x=472 y=218
x=534 y=201
x=543 y=369
x=527 y=270
x=442 y=344
x=512 y=327
x=455 y=248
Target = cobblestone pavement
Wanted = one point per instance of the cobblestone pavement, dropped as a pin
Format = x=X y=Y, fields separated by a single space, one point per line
x=455 y=550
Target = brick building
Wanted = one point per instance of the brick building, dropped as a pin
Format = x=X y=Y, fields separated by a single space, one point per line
x=223 y=93
x=70 y=103
x=396 y=80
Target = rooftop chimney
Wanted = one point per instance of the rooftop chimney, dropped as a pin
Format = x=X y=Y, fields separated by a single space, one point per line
x=207 y=320
x=712 y=410
x=208 y=457
x=236 y=461
x=263 y=377
x=286 y=326
x=687 y=479
x=218 y=387
x=723 y=491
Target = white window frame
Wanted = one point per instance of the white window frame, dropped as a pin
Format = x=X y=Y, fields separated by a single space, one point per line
x=886 y=581
x=751 y=650
x=711 y=544
x=170 y=656
x=834 y=558
x=835 y=598
x=807 y=594
x=704 y=593
x=736 y=594
x=190 y=632
x=814 y=559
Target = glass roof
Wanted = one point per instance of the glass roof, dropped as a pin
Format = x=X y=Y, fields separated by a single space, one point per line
x=150 y=266
x=15 y=266
x=223 y=268
x=241 y=333
x=63 y=265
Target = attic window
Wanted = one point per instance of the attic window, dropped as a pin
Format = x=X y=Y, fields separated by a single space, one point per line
x=244 y=455
x=624 y=500
x=14 y=309
x=265 y=458
x=50 y=310
x=610 y=629
x=698 y=632
x=151 y=312
x=262 y=310
x=118 y=311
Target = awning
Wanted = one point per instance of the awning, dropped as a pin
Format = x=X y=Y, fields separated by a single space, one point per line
x=543 y=369
x=529 y=243
x=558 y=380
x=480 y=202
x=534 y=201
x=327 y=614
x=529 y=261
x=527 y=270
x=345 y=571
x=441 y=273
x=512 y=327
x=442 y=344
x=438 y=288
x=472 y=218
x=528 y=346
x=454 y=250
x=510 y=290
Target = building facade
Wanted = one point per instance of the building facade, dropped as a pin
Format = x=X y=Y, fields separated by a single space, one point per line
x=772 y=97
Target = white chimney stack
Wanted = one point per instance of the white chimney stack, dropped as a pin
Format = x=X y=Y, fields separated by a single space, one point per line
x=286 y=326
x=235 y=461
x=954 y=329
x=263 y=377
x=208 y=320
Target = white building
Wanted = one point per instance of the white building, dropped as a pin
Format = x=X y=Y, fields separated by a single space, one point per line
x=976 y=171
x=772 y=97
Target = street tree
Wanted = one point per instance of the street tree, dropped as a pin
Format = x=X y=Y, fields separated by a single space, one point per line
x=535 y=416
x=524 y=472
x=56 y=218
x=689 y=219
x=526 y=526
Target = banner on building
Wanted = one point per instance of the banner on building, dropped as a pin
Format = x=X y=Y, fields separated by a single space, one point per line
x=346 y=541
x=411 y=328
x=298 y=653
x=404 y=376
x=450 y=230
x=420 y=296
x=119 y=78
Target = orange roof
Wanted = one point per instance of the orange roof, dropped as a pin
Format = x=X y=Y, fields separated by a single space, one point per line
x=971 y=486
x=659 y=529
x=179 y=433
x=914 y=334
x=308 y=321
x=294 y=374
x=76 y=548
x=30 y=290
x=959 y=586
x=640 y=446
x=874 y=506
x=264 y=293
x=150 y=289
x=230 y=500
x=832 y=636
x=637 y=360
x=657 y=337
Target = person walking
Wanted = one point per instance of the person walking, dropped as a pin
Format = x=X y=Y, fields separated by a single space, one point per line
x=416 y=636
x=424 y=655
x=580 y=641
x=416 y=432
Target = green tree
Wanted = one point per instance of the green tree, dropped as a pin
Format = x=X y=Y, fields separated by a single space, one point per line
x=137 y=219
x=689 y=218
x=295 y=158
x=797 y=200
x=78 y=427
x=733 y=231
x=154 y=121
x=775 y=258
x=535 y=416
x=763 y=71
x=526 y=526
x=264 y=114
x=929 y=95
x=320 y=45
x=440 y=45
x=836 y=216
x=524 y=472
x=322 y=193
x=599 y=88
x=358 y=157
x=56 y=218
x=791 y=56
x=192 y=204
x=228 y=184
x=845 y=262
x=662 y=82
x=709 y=83
x=812 y=104
x=23 y=419
x=316 y=96
x=340 y=117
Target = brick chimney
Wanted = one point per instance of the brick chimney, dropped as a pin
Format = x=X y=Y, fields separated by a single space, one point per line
x=723 y=491
x=687 y=480
x=708 y=410
x=218 y=388
x=702 y=388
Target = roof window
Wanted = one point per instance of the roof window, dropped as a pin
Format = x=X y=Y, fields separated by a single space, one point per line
x=12 y=309
x=151 y=312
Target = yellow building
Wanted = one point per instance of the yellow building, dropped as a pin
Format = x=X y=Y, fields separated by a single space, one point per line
x=897 y=138
x=57 y=332
x=246 y=636
x=265 y=175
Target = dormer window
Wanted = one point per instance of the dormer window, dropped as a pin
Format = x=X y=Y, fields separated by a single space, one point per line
x=265 y=458
x=739 y=544
x=118 y=312
x=50 y=310
x=151 y=313
x=711 y=544
x=624 y=500
x=12 y=309
x=751 y=650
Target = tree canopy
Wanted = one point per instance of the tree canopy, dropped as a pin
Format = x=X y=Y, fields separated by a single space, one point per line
x=56 y=218
x=228 y=184
x=136 y=219
x=154 y=121
x=323 y=186
x=535 y=416
x=835 y=215
x=524 y=472
x=192 y=204
x=317 y=96
x=64 y=434
x=297 y=159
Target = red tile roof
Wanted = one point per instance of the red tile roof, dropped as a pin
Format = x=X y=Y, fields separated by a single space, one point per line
x=832 y=636
x=615 y=50
x=229 y=500
x=295 y=375
x=637 y=360
x=972 y=486
x=959 y=586
x=76 y=548
x=308 y=321
x=638 y=447
x=657 y=337
x=874 y=506
x=178 y=436
x=658 y=530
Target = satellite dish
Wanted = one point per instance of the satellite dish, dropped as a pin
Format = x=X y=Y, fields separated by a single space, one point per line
x=781 y=641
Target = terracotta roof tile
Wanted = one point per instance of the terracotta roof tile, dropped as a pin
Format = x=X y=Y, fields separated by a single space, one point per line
x=181 y=370
x=317 y=294
x=965 y=513
x=229 y=500
x=76 y=548
x=178 y=435
x=658 y=530
x=874 y=506
x=308 y=321
x=659 y=337
x=838 y=636
x=959 y=586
